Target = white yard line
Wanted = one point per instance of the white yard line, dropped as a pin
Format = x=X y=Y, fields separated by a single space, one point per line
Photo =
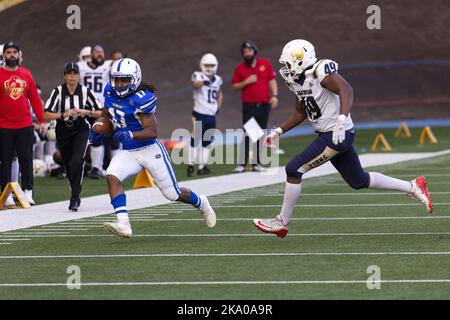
x=143 y=198
x=298 y=219
x=228 y=235
x=205 y=283
x=209 y=255
x=300 y=205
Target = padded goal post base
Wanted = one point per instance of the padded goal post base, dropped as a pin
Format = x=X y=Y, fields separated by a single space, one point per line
x=143 y=180
x=380 y=139
x=15 y=188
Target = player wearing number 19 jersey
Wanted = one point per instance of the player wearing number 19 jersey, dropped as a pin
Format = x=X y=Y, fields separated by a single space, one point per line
x=325 y=98
x=207 y=102
x=132 y=106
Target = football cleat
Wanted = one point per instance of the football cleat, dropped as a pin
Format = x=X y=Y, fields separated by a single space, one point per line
x=419 y=191
x=120 y=229
x=204 y=170
x=274 y=226
x=190 y=170
x=258 y=168
x=208 y=212
x=239 y=169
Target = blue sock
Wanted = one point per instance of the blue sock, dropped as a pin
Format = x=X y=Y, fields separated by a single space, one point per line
x=194 y=200
x=120 y=205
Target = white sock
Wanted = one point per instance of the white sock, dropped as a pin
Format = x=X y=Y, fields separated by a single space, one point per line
x=38 y=149
x=15 y=170
x=380 y=181
x=122 y=217
x=205 y=157
x=97 y=154
x=49 y=148
x=192 y=155
x=291 y=194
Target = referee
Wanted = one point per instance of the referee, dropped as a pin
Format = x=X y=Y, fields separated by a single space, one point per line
x=70 y=103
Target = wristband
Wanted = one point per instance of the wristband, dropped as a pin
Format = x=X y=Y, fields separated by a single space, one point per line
x=279 y=131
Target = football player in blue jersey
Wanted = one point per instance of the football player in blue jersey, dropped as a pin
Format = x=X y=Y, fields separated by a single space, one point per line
x=132 y=105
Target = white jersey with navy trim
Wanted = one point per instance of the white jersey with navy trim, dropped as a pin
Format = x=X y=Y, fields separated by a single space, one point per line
x=205 y=97
x=95 y=79
x=322 y=106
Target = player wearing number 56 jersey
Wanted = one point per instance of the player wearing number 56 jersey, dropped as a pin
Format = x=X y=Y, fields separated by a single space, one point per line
x=94 y=74
x=325 y=98
x=132 y=106
x=208 y=99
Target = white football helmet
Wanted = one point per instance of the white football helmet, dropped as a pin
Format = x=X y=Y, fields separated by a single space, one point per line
x=209 y=64
x=51 y=131
x=297 y=55
x=85 y=54
x=126 y=68
x=39 y=168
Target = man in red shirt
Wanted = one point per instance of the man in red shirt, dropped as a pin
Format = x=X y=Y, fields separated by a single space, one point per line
x=17 y=91
x=255 y=78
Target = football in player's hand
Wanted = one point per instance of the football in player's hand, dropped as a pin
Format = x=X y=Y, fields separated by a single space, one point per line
x=103 y=125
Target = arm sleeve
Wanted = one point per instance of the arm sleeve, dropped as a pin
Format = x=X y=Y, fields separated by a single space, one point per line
x=36 y=102
x=52 y=103
x=325 y=68
x=92 y=102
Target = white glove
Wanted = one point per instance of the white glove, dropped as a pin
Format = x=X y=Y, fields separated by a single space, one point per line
x=339 y=130
x=268 y=141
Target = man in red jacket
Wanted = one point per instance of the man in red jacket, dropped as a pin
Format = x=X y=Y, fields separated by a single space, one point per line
x=17 y=91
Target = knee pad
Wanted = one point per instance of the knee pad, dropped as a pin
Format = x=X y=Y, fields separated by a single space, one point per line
x=360 y=182
x=170 y=193
x=292 y=170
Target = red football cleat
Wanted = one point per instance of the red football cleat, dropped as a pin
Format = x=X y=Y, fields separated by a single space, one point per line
x=274 y=226
x=419 y=191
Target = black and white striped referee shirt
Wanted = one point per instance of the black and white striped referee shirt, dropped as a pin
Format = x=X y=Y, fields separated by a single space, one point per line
x=61 y=100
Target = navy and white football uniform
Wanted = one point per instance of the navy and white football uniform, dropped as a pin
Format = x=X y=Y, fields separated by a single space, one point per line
x=322 y=108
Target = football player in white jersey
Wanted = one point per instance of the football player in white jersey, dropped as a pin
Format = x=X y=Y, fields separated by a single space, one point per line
x=325 y=98
x=94 y=74
x=208 y=99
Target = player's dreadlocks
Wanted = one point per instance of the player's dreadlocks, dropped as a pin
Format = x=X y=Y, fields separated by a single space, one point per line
x=146 y=87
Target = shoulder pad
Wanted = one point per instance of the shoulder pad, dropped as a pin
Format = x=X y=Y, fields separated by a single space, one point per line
x=324 y=67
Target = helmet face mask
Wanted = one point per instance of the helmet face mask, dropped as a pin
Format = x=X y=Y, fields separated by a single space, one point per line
x=125 y=69
x=209 y=64
x=297 y=56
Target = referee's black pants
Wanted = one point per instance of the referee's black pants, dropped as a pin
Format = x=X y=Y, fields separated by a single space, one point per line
x=20 y=140
x=260 y=111
x=72 y=143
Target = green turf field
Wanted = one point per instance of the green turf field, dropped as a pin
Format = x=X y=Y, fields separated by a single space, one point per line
x=336 y=234
x=50 y=189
